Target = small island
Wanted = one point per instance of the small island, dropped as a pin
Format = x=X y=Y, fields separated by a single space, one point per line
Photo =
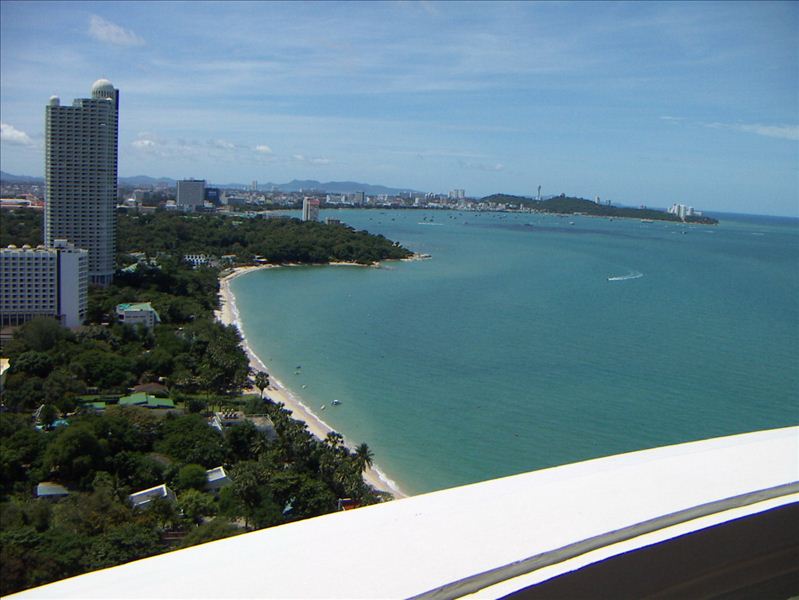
x=567 y=205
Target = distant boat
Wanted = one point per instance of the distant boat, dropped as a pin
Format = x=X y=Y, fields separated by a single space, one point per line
x=647 y=221
x=322 y=407
x=336 y=402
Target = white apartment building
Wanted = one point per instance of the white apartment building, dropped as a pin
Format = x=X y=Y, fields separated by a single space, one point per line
x=44 y=282
x=138 y=313
x=191 y=194
x=81 y=176
x=682 y=211
x=310 y=209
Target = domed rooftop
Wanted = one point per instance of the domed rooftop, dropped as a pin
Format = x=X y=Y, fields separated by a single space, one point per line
x=102 y=85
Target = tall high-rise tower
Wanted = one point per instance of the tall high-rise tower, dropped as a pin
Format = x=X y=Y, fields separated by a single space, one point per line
x=81 y=176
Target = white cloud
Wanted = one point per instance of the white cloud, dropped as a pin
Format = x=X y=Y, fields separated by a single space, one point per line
x=106 y=31
x=263 y=149
x=223 y=144
x=319 y=160
x=12 y=135
x=495 y=168
x=785 y=132
x=144 y=144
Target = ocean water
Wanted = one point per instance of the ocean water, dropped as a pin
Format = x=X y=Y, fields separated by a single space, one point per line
x=529 y=341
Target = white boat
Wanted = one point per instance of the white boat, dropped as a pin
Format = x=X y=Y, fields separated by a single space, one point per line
x=336 y=402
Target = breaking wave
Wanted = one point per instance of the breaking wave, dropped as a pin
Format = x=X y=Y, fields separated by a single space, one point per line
x=631 y=275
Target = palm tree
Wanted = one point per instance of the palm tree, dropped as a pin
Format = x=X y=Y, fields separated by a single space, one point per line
x=364 y=457
x=334 y=440
x=262 y=381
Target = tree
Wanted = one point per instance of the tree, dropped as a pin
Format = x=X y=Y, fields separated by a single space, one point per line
x=21 y=450
x=251 y=489
x=41 y=334
x=262 y=381
x=207 y=532
x=189 y=439
x=33 y=362
x=334 y=440
x=192 y=477
x=364 y=457
x=244 y=441
x=60 y=388
x=74 y=454
x=135 y=470
x=47 y=415
x=308 y=496
x=195 y=505
x=122 y=544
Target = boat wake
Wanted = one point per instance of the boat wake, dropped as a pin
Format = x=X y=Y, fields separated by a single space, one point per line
x=632 y=275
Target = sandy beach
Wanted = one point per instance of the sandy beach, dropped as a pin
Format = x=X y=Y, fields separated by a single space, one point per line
x=228 y=314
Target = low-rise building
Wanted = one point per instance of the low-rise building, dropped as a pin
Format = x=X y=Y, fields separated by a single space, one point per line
x=51 y=491
x=216 y=479
x=5 y=365
x=145 y=400
x=138 y=313
x=196 y=260
x=144 y=498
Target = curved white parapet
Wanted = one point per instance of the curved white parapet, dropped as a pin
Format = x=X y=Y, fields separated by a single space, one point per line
x=489 y=539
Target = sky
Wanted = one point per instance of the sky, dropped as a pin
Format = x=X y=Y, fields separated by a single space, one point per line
x=640 y=103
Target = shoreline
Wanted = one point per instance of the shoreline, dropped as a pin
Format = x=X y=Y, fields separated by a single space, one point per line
x=228 y=314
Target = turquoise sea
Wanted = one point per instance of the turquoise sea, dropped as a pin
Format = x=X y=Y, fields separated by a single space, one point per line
x=528 y=341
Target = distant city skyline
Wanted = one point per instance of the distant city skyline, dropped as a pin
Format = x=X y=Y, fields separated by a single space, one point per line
x=639 y=103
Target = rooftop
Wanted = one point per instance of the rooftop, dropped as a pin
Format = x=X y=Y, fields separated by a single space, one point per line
x=146 y=400
x=49 y=488
x=135 y=306
x=493 y=539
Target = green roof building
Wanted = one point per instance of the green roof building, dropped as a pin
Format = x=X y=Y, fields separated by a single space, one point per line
x=146 y=400
x=135 y=313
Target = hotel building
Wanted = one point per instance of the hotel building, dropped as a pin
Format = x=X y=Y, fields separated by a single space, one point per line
x=81 y=176
x=43 y=282
x=190 y=194
x=310 y=209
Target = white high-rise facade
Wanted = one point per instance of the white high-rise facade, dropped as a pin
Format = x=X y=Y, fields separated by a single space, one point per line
x=43 y=282
x=81 y=176
x=310 y=209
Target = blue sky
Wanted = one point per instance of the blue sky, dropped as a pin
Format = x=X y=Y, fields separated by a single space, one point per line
x=640 y=103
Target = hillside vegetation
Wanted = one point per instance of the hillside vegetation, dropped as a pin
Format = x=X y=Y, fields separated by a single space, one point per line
x=565 y=205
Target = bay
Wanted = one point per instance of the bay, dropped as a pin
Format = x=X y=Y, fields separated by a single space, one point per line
x=529 y=341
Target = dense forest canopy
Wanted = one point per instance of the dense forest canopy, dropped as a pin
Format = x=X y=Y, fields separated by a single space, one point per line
x=277 y=239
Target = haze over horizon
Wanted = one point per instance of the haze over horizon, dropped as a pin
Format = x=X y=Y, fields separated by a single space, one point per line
x=648 y=103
